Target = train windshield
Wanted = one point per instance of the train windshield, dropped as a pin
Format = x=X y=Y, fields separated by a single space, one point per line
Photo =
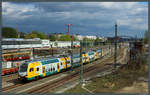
x=23 y=67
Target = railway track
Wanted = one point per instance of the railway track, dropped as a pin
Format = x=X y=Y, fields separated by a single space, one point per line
x=5 y=77
x=9 y=77
x=18 y=84
x=54 y=83
x=51 y=86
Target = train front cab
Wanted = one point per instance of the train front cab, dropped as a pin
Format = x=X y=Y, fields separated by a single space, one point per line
x=22 y=73
x=33 y=71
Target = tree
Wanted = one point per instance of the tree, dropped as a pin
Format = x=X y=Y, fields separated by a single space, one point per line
x=40 y=35
x=52 y=37
x=56 y=44
x=9 y=32
x=146 y=37
x=36 y=34
x=65 y=38
x=87 y=39
x=31 y=36
x=97 y=41
x=22 y=34
x=74 y=38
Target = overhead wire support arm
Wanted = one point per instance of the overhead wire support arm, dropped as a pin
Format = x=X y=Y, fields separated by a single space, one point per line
x=81 y=63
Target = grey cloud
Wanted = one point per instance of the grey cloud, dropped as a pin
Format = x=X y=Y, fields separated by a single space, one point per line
x=85 y=17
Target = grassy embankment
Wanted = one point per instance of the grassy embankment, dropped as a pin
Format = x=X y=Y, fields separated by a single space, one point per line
x=124 y=77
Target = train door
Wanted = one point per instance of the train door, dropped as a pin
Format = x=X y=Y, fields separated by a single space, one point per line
x=43 y=68
x=96 y=55
x=65 y=62
x=68 y=62
x=58 y=69
x=61 y=64
x=85 y=58
x=102 y=53
x=31 y=70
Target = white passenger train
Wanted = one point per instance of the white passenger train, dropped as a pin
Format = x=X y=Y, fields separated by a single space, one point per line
x=19 y=43
x=13 y=43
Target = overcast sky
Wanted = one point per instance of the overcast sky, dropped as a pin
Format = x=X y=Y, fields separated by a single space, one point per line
x=87 y=18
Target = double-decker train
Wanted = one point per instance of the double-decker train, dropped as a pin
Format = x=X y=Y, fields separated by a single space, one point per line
x=41 y=68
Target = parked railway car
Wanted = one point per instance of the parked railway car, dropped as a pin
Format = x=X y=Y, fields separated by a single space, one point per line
x=9 y=71
x=19 y=43
x=16 y=56
x=41 y=68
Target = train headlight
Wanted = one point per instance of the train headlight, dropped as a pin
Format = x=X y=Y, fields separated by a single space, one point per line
x=22 y=74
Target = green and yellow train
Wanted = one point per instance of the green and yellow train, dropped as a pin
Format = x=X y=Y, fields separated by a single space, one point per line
x=41 y=68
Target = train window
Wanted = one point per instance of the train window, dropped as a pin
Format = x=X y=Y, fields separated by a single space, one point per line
x=54 y=69
x=37 y=69
x=31 y=69
x=25 y=42
x=11 y=43
x=23 y=67
x=14 y=42
x=3 y=43
x=18 y=42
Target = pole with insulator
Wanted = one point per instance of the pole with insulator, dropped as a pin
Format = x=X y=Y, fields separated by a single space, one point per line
x=115 y=52
x=72 y=53
x=81 y=67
